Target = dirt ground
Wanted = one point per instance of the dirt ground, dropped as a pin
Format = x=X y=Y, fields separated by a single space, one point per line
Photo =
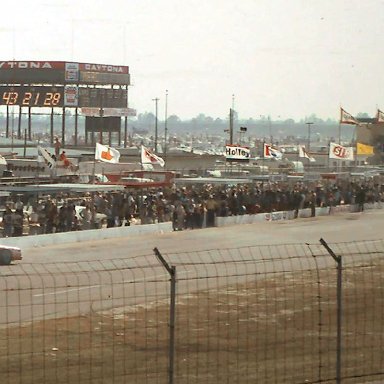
x=276 y=330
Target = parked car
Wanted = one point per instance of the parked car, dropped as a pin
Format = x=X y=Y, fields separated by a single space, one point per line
x=9 y=254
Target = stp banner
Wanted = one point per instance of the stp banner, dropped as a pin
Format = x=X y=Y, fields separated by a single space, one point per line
x=337 y=151
x=236 y=153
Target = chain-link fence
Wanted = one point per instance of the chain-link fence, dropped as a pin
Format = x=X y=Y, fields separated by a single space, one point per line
x=295 y=313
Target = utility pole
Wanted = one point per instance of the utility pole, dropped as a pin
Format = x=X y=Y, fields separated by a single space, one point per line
x=166 y=126
x=309 y=135
x=156 y=100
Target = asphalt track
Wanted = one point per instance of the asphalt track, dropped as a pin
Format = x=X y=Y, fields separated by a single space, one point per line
x=73 y=279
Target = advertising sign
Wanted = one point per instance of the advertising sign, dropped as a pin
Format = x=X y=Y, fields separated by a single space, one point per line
x=235 y=152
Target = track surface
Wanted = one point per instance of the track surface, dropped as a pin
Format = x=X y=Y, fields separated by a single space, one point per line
x=47 y=283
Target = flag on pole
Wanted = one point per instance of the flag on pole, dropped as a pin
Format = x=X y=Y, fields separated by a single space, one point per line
x=347 y=118
x=380 y=116
x=305 y=154
x=106 y=154
x=48 y=159
x=363 y=149
x=148 y=157
x=337 y=151
x=271 y=152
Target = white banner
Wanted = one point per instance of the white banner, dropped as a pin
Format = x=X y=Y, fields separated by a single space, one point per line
x=106 y=154
x=237 y=153
x=149 y=158
x=72 y=72
x=305 y=154
x=347 y=118
x=71 y=96
x=271 y=152
x=337 y=151
x=97 y=112
x=48 y=159
x=380 y=116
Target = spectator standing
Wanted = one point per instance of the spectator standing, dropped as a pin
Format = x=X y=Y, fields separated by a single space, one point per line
x=8 y=222
x=86 y=217
x=57 y=147
x=179 y=217
x=18 y=223
x=211 y=206
x=360 y=199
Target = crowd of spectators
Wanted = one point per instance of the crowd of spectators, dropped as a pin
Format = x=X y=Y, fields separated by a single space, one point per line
x=188 y=207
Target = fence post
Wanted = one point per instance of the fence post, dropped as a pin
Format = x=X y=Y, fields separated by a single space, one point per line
x=172 y=313
x=339 y=262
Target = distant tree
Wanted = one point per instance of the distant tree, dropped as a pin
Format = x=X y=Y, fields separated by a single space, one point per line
x=219 y=121
x=146 y=118
x=173 y=119
x=362 y=115
x=200 y=118
x=313 y=118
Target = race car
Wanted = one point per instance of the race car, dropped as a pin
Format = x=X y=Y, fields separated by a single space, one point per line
x=9 y=254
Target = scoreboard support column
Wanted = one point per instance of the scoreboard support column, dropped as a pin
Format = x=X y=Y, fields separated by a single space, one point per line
x=63 y=128
x=7 y=123
x=76 y=124
x=29 y=124
x=125 y=131
x=19 y=125
x=51 y=133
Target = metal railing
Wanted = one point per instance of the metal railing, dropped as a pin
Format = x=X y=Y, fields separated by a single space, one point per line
x=294 y=313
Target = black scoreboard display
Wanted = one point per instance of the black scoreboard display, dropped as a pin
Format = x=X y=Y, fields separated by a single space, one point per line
x=31 y=96
x=102 y=97
x=62 y=96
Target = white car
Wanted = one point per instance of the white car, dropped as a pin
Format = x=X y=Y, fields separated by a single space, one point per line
x=9 y=254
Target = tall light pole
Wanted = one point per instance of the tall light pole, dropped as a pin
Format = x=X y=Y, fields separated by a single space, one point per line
x=156 y=100
x=309 y=135
x=270 y=129
x=166 y=126
x=231 y=111
x=231 y=119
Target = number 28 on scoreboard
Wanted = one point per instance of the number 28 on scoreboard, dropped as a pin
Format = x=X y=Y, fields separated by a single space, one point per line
x=31 y=96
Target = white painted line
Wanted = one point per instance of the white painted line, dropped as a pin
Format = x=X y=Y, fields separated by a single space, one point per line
x=65 y=291
x=104 y=285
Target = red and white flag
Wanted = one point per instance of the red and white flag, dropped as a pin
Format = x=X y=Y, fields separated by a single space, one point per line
x=347 y=118
x=305 y=154
x=148 y=157
x=106 y=154
x=271 y=152
x=337 y=151
x=380 y=116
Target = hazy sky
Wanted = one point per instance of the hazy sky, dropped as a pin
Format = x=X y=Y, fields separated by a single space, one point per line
x=287 y=58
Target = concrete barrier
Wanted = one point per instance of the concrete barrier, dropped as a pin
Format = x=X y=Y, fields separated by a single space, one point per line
x=78 y=236
x=287 y=215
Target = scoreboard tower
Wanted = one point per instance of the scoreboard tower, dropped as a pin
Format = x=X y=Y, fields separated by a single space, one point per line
x=97 y=91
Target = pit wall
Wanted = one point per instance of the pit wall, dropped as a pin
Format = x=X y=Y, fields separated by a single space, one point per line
x=290 y=215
